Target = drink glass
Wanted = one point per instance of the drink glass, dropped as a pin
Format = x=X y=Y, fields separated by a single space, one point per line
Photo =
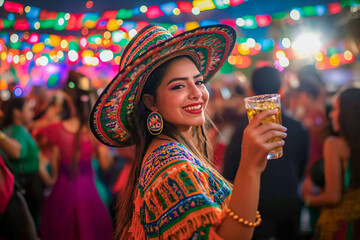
x=255 y=105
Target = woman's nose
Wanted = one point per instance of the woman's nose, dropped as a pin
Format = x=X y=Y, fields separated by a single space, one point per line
x=195 y=92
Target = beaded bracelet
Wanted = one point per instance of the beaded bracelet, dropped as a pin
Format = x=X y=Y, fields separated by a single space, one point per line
x=2 y=135
x=245 y=222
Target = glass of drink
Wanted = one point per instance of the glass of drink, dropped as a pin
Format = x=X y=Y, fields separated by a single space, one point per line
x=255 y=105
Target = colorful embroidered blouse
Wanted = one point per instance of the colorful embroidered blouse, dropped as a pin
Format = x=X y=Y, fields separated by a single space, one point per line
x=178 y=197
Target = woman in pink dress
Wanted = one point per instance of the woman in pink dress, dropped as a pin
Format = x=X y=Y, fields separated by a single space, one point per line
x=74 y=209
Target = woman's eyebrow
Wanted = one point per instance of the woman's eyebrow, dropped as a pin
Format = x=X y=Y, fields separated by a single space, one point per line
x=183 y=78
x=177 y=79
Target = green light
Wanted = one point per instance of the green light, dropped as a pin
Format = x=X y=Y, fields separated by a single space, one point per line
x=124 y=13
x=73 y=46
x=221 y=4
x=123 y=42
x=53 y=80
x=71 y=84
x=309 y=11
x=47 y=24
x=60 y=23
x=250 y=22
x=279 y=15
x=331 y=51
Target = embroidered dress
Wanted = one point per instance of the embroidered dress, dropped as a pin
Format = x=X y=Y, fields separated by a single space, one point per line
x=341 y=222
x=178 y=197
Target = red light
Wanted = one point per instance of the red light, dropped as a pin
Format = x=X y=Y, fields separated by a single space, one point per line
x=263 y=20
x=141 y=25
x=46 y=15
x=34 y=38
x=230 y=22
x=154 y=12
x=13 y=7
x=21 y=24
x=75 y=21
x=109 y=14
x=235 y=2
x=89 y=4
x=334 y=8
x=84 y=31
x=185 y=7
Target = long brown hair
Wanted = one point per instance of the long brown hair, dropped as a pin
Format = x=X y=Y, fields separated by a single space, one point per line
x=143 y=139
x=81 y=102
x=349 y=121
x=8 y=107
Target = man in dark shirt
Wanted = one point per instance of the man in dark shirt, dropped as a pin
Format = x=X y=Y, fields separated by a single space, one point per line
x=279 y=202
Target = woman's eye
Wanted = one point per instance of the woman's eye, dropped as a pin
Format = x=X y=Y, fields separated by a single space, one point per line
x=177 y=87
x=199 y=82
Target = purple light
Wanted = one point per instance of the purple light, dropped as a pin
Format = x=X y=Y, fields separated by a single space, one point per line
x=51 y=68
x=18 y=91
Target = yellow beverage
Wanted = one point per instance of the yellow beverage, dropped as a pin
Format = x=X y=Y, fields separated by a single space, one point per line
x=257 y=105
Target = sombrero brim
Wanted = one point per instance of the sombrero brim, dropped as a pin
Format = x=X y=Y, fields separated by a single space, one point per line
x=110 y=119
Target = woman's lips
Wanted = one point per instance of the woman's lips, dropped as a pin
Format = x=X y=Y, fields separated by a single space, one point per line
x=193 y=108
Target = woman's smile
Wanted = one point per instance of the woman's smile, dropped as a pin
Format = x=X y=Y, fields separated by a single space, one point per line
x=195 y=108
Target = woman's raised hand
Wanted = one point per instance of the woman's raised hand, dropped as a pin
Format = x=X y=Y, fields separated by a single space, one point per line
x=255 y=145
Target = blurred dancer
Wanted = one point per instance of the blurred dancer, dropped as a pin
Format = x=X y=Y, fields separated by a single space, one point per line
x=19 y=114
x=74 y=209
x=340 y=198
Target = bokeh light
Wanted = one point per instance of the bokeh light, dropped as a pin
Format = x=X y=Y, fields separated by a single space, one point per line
x=295 y=14
x=348 y=55
x=18 y=91
x=195 y=11
x=285 y=43
x=89 y=4
x=306 y=45
x=240 y=22
x=5 y=95
x=106 y=55
x=73 y=55
x=143 y=9
x=176 y=11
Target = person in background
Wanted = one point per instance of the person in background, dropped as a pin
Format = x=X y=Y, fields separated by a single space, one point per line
x=279 y=201
x=16 y=221
x=232 y=112
x=158 y=102
x=41 y=98
x=57 y=110
x=25 y=163
x=73 y=210
x=115 y=174
x=340 y=198
x=306 y=108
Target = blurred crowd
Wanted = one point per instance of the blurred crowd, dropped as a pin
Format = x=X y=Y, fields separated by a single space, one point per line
x=53 y=172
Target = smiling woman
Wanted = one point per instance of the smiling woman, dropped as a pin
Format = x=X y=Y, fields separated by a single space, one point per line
x=183 y=95
x=158 y=102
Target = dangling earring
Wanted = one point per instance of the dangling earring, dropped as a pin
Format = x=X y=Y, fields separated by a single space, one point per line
x=155 y=123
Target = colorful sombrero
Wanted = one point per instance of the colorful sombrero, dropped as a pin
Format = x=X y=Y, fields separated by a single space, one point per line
x=111 y=119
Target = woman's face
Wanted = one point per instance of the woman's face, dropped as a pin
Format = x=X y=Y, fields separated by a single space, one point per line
x=334 y=114
x=27 y=113
x=182 y=97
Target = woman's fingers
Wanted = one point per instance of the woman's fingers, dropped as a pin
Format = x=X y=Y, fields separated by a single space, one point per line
x=262 y=129
x=273 y=134
x=272 y=145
